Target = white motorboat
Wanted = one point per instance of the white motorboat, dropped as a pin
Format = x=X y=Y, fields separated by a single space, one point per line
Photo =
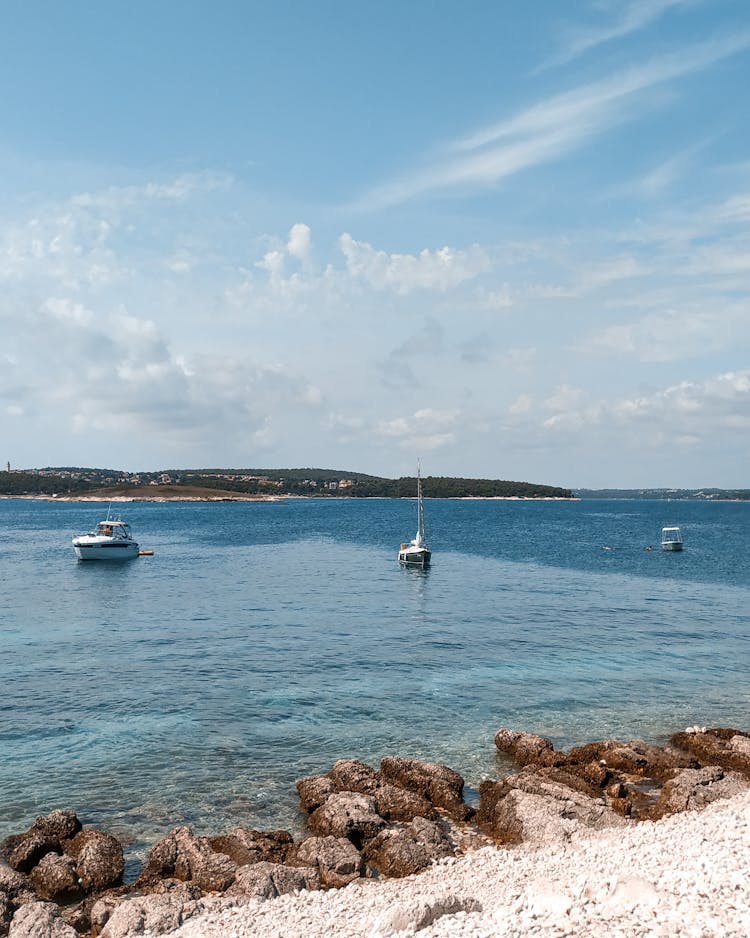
x=416 y=552
x=671 y=539
x=111 y=540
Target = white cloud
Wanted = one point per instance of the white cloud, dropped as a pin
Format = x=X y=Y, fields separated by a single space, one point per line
x=426 y=430
x=299 y=242
x=689 y=410
x=66 y=310
x=178 y=189
x=523 y=404
x=429 y=270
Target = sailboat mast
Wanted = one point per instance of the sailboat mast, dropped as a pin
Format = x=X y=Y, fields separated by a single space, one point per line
x=420 y=508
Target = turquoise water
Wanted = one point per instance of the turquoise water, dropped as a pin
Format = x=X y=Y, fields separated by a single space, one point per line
x=264 y=640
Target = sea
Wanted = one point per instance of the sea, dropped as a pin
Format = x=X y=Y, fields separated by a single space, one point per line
x=264 y=640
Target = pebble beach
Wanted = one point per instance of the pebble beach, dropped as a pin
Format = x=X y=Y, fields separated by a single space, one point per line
x=685 y=875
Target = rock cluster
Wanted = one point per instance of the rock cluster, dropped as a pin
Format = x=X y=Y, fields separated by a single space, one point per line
x=59 y=879
x=56 y=864
x=607 y=784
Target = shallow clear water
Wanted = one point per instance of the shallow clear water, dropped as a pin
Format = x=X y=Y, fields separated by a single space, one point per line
x=264 y=640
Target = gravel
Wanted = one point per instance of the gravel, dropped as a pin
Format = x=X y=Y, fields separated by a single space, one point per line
x=686 y=876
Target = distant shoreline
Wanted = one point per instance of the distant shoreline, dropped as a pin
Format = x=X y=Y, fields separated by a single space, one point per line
x=238 y=497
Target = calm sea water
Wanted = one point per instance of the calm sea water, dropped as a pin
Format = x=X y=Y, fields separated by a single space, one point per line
x=262 y=641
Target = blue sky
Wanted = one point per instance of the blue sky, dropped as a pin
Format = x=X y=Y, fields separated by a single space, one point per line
x=509 y=238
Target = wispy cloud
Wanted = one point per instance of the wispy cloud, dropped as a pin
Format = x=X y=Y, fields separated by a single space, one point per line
x=631 y=18
x=552 y=128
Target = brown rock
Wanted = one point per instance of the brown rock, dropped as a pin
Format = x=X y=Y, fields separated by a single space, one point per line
x=693 y=789
x=31 y=849
x=440 y=785
x=269 y=880
x=530 y=807
x=244 y=846
x=198 y=863
x=156 y=914
x=16 y=886
x=353 y=775
x=725 y=747
x=57 y=826
x=314 y=790
x=8 y=845
x=181 y=855
x=99 y=859
x=336 y=859
x=644 y=760
x=48 y=834
x=6 y=913
x=526 y=748
x=398 y=804
x=40 y=920
x=347 y=814
x=161 y=859
x=55 y=878
x=401 y=851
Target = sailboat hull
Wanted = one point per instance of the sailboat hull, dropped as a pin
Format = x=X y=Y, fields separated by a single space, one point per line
x=418 y=557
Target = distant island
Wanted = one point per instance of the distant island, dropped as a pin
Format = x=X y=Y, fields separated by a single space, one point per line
x=667 y=494
x=213 y=484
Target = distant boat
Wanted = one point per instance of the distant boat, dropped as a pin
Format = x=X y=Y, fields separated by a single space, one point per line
x=671 y=539
x=111 y=540
x=416 y=552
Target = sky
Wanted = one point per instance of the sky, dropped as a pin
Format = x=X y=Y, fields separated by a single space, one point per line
x=510 y=239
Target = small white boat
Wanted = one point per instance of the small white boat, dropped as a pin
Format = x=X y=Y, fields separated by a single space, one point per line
x=671 y=539
x=111 y=540
x=416 y=552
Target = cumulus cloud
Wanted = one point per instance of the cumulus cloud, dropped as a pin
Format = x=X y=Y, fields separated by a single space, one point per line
x=688 y=410
x=429 y=270
x=426 y=429
x=300 y=242
x=112 y=371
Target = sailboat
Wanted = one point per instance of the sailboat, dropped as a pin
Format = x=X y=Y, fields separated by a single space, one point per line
x=416 y=552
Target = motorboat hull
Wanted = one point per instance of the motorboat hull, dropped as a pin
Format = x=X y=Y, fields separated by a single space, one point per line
x=105 y=549
x=671 y=545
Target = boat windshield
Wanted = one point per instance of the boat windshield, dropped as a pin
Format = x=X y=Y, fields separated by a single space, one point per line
x=113 y=529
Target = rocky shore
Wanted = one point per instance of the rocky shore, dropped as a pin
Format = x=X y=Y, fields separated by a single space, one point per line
x=616 y=838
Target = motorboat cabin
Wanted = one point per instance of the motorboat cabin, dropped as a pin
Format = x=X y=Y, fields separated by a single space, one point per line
x=671 y=539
